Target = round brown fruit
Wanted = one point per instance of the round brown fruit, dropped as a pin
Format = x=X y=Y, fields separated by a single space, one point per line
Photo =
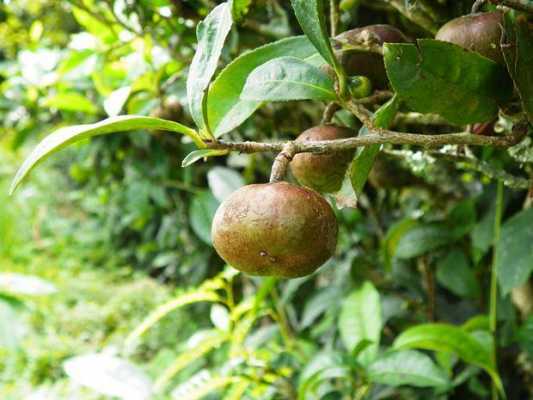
x=357 y=62
x=476 y=32
x=322 y=172
x=275 y=229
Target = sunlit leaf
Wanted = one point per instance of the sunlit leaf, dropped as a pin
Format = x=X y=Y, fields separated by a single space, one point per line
x=72 y=134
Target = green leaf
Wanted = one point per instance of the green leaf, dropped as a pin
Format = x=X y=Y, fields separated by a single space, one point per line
x=455 y=274
x=311 y=16
x=439 y=77
x=196 y=155
x=72 y=134
x=25 y=284
x=211 y=34
x=514 y=255
x=422 y=238
x=518 y=54
x=226 y=110
x=393 y=238
x=201 y=213
x=99 y=29
x=407 y=367
x=364 y=161
x=201 y=385
x=71 y=101
x=449 y=338
x=360 y=319
x=288 y=78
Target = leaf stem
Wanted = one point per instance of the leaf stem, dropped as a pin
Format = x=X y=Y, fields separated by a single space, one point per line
x=493 y=311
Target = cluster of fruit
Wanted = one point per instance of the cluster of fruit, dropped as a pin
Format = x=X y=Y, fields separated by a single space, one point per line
x=289 y=231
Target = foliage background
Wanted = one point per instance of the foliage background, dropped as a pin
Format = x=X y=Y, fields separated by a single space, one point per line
x=119 y=228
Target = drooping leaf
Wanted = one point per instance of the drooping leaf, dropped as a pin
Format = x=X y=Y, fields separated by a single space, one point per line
x=226 y=110
x=360 y=319
x=288 y=78
x=223 y=182
x=196 y=155
x=311 y=16
x=514 y=251
x=407 y=367
x=109 y=375
x=202 y=210
x=455 y=274
x=71 y=101
x=449 y=338
x=163 y=310
x=211 y=34
x=71 y=134
x=439 y=77
x=364 y=160
x=518 y=54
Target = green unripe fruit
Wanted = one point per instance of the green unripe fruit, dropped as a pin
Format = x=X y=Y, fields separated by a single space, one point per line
x=357 y=62
x=476 y=32
x=275 y=229
x=322 y=172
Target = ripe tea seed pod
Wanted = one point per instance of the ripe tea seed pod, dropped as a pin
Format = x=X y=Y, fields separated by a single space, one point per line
x=275 y=229
x=322 y=172
x=480 y=32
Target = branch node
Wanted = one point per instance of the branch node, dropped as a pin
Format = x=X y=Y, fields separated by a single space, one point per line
x=281 y=162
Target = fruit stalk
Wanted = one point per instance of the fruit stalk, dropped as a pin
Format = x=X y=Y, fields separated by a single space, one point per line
x=522 y=5
x=282 y=161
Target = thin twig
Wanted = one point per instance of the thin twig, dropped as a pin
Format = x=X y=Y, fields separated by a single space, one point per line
x=329 y=112
x=522 y=5
x=333 y=17
x=379 y=136
x=477 y=5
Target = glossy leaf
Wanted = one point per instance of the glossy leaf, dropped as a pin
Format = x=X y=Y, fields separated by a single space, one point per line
x=211 y=34
x=360 y=319
x=364 y=161
x=514 y=251
x=518 y=54
x=422 y=238
x=197 y=155
x=407 y=367
x=226 y=110
x=311 y=16
x=449 y=338
x=288 y=78
x=72 y=134
x=439 y=77
x=114 y=103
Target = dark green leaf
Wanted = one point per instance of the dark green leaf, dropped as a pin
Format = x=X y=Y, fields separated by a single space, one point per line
x=288 y=78
x=518 y=54
x=323 y=300
x=524 y=335
x=71 y=134
x=514 y=251
x=394 y=236
x=455 y=273
x=422 y=238
x=360 y=319
x=226 y=110
x=449 y=338
x=407 y=367
x=311 y=16
x=211 y=34
x=203 y=208
x=443 y=78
